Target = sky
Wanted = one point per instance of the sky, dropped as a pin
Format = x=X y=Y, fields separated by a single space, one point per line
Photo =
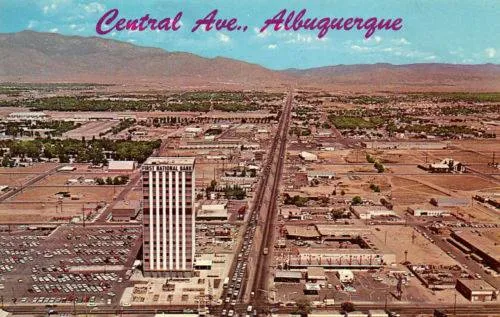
x=434 y=31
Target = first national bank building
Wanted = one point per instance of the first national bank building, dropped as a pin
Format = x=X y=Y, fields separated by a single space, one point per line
x=168 y=216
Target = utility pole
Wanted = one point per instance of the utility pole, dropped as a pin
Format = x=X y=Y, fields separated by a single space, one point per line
x=455 y=304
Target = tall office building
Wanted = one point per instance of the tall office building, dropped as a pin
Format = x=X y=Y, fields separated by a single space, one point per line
x=168 y=216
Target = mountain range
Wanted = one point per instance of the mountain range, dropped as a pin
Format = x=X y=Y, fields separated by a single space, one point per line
x=30 y=56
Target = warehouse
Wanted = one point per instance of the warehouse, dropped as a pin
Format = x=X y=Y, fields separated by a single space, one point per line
x=429 y=212
x=369 y=212
x=487 y=249
x=288 y=276
x=316 y=274
x=476 y=290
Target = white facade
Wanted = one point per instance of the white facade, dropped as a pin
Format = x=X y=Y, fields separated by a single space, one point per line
x=345 y=276
x=306 y=156
x=419 y=212
x=169 y=218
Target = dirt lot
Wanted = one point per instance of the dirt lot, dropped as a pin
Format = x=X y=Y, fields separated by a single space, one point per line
x=15 y=180
x=37 y=212
x=407 y=192
x=85 y=193
x=61 y=178
x=460 y=182
x=483 y=146
x=36 y=168
x=421 y=251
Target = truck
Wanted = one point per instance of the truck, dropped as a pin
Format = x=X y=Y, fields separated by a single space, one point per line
x=226 y=282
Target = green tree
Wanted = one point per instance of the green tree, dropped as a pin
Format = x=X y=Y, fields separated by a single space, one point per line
x=379 y=167
x=356 y=200
x=109 y=181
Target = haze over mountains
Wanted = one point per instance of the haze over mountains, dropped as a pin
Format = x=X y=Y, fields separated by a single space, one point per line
x=46 y=57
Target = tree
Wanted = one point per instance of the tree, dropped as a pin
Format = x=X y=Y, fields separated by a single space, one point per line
x=379 y=167
x=337 y=213
x=356 y=200
x=109 y=181
x=6 y=161
x=303 y=306
x=342 y=192
x=375 y=188
x=347 y=307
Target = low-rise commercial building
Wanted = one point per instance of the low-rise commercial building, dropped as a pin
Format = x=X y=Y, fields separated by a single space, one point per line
x=430 y=212
x=125 y=210
x=369 y=212
x=476 y=290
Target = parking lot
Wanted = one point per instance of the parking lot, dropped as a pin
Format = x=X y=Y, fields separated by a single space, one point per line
x=68 y=264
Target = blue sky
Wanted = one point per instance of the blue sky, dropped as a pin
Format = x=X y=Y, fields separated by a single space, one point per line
x=447 y=31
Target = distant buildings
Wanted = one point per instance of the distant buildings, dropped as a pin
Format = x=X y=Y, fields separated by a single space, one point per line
x=169 y=217
x=27 y=116
x=447 y=166
x=404 y=145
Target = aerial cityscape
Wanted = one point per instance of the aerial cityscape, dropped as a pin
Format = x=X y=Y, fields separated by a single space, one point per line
x=145 y=182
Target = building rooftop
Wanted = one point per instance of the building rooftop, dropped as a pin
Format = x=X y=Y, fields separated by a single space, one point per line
x=121 y=165
x=315 y=272
x=302 y=231
x=339 y=230
x=477 y=285
x=127 y=204
x=170 y=161
x=483 y=243
x=288 y=274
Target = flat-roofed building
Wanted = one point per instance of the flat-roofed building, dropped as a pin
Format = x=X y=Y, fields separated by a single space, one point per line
x=288 y=276
x=122 y=165
x=476 y=290
x=369 y=212
x=213 y=210
x=125 y=210
x=429 y=212
x=341 y=258
x=486 y=248
x=316 y=274
x=320 y=175
x=311 y=289
x=168 y=216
